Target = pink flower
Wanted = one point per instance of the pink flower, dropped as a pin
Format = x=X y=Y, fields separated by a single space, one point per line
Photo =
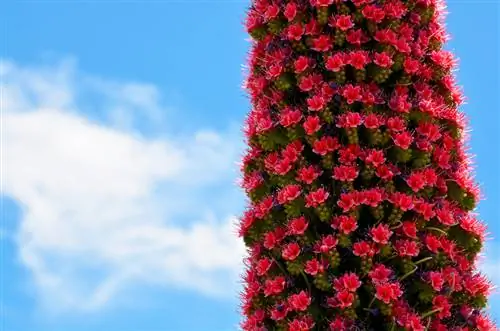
x=381 y=234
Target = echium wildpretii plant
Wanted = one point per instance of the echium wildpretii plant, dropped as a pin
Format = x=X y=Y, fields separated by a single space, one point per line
x=360 y=189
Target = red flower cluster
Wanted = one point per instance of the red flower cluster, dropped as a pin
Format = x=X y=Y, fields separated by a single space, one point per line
x=361 y=195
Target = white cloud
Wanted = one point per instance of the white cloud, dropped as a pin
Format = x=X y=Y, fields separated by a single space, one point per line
x=103 y=205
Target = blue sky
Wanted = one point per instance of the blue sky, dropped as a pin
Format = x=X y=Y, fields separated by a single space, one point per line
x=121 y=135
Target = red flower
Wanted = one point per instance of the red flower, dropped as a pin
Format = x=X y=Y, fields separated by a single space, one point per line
x=373 y=121
x=383 y=60
x=312 y=124
x=274 y=286
x=325 y=145
x=290 y=11
x=396 y=124
x=300 y=301
x=301 y=64
x=380 y=274
x=321 y=43
x=344 y=299
x=373 y=197
x=301 y=324
x=344 y=22
x=384 y=172
x=279 y=312
x=442 y=304
x=271 y=12
x=411 y=66
x=327 y=244
x=436 y=280
x=313 y=267
x=407 y=248
x=373 y=13
x=290 y=117
x=402 y=201
x=308 y=174
x=387 y=292
x=289 y=193
x=316 y=103
x=263 y=208
x=263 y=266
x=352 y=93
x=375 y=158
x=306 y=83
x=316 y=198
x=416 y=181
x=346 y=201
x=350 y=282
x=358 y=59
x=349 y=120
x=345 y=224
x=291 y=251
x=381 y=234
x=345 y=173
x=363 y=249
x=321 y=3
x=336 y=62
x=409 y=229
x=403 y=140
x=298 y=226
x=295 y=31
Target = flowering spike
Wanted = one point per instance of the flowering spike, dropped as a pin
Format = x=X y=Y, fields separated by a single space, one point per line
x=359 y=179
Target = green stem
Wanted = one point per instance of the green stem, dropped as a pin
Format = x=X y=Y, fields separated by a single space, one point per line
x=408 y=274
x=425 y=259
x=429 y=313
x=437 y=230
x=307 y=281
x=280 y=266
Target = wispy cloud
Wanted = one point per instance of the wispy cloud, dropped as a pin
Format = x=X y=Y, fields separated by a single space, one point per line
x=105 y=205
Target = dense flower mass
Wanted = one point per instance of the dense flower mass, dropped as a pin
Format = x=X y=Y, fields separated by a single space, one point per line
x=361 y=194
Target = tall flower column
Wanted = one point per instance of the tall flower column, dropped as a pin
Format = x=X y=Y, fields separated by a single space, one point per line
x=361 y=197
